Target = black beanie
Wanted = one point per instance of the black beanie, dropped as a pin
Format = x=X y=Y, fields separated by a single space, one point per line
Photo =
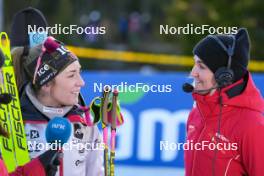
x=44 y=65
x=214 y=56
x=21 y=21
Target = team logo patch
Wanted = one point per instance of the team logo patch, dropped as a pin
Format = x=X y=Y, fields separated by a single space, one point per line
x=78 y=131
x=34 y=134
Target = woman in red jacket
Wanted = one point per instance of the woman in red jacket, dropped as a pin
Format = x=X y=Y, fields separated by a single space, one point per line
x=226 y=127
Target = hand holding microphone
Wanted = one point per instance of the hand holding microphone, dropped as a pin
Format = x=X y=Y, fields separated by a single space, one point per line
x=58 y=131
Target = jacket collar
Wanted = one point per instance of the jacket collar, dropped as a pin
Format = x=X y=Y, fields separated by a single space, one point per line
x=242 y=93
x=49 y=112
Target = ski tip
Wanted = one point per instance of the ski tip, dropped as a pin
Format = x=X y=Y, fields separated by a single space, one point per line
x=4 y=41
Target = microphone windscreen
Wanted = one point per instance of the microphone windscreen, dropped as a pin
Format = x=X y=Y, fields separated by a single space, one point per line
x=58 y=129
x=188 y=88
x=5 y=98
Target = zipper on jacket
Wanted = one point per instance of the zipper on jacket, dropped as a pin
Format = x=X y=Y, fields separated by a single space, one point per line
x=199 y=138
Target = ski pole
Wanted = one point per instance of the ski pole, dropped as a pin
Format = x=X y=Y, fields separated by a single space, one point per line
x=113 y=132
x=104 y=104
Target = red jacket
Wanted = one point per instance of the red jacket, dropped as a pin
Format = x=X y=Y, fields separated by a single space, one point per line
x=241 y=131
x=32 y=168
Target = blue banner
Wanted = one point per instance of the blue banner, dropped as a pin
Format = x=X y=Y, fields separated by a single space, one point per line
x=155 y=110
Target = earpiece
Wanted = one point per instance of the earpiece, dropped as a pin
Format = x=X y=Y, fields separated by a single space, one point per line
x=224 y=75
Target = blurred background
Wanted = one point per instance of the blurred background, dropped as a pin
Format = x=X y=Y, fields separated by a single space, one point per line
x=132 y=50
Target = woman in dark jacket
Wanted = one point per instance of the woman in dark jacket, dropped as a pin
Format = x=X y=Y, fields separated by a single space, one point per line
x=53 y=90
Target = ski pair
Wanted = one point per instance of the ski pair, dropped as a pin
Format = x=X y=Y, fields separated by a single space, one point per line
x=14 y=149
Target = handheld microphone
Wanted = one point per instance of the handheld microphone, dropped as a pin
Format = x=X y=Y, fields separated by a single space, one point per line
x=5 y=98
x=58 y=130
x=188 y=88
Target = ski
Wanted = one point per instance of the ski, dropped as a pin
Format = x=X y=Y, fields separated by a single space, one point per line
x=14 y=150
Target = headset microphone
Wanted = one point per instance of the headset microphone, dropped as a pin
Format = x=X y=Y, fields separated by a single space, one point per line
x=188 y=88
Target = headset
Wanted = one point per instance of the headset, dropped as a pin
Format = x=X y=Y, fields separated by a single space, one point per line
x=224 y=75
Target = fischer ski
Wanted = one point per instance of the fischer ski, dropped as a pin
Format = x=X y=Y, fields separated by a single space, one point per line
x=14 y=150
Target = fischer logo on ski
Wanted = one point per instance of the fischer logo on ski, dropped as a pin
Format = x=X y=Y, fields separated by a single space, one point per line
x=14 y=150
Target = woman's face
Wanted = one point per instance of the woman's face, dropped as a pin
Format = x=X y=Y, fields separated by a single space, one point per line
x=203 y=76
x=65 y=91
